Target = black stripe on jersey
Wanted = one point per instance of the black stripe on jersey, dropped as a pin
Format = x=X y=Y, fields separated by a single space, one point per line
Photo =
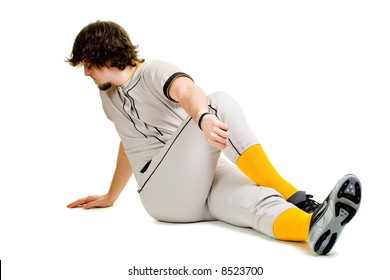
x=169 y=82
x=131 y=119
x=131 y=100
x=158 y=131
x=132 y=106
x=136 y=83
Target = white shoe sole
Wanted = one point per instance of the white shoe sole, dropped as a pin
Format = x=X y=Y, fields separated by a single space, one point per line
x=334 y=213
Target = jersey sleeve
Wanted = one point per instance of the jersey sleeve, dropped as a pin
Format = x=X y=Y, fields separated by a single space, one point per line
x=160 y=75
x=104 y=98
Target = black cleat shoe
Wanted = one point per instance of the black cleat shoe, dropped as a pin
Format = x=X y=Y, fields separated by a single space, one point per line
x=304 y=201
x=334 y=213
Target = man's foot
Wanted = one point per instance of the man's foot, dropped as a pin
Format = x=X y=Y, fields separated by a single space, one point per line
x=304 y=202
x=334 y=213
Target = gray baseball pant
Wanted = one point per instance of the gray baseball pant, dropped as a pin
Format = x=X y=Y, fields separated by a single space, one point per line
x=189 y=180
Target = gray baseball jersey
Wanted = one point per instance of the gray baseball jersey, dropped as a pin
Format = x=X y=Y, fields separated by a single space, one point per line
x=144 y=115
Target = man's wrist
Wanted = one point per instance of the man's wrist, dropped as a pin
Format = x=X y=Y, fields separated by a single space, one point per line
x=201 y=119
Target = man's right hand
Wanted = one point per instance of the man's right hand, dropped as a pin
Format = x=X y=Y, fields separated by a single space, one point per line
x=215 y=131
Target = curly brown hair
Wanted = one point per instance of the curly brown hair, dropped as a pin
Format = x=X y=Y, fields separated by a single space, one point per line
x=104 y=44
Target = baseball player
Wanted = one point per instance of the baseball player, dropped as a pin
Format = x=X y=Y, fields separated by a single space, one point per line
x=172 y=136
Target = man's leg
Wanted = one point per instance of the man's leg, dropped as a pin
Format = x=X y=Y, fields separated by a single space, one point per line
x=238 y=201
x=256 y=165
x=245 y=151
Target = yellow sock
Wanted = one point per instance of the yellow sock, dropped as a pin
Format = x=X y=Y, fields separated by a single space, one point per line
x=292 y=225
x=256 y=165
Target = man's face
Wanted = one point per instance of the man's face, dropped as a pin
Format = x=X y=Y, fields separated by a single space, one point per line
x=101 y=76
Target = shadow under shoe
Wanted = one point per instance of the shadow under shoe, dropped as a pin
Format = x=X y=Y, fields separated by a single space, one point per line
x=337 y=210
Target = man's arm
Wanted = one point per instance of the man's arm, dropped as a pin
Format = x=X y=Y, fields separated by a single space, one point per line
x=123 y=172
x=195 y=103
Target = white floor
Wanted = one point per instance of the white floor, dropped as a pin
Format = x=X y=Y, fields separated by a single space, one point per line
x=41 y=237
x=312 y=78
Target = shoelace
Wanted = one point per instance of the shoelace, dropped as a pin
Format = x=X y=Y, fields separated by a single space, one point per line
x=309 y=205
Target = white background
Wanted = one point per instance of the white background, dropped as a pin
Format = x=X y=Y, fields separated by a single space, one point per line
x=312 y=77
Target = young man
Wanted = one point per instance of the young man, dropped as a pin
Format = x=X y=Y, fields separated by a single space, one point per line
x=172 y=136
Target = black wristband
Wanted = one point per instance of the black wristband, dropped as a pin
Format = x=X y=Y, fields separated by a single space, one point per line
x=201 y=118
